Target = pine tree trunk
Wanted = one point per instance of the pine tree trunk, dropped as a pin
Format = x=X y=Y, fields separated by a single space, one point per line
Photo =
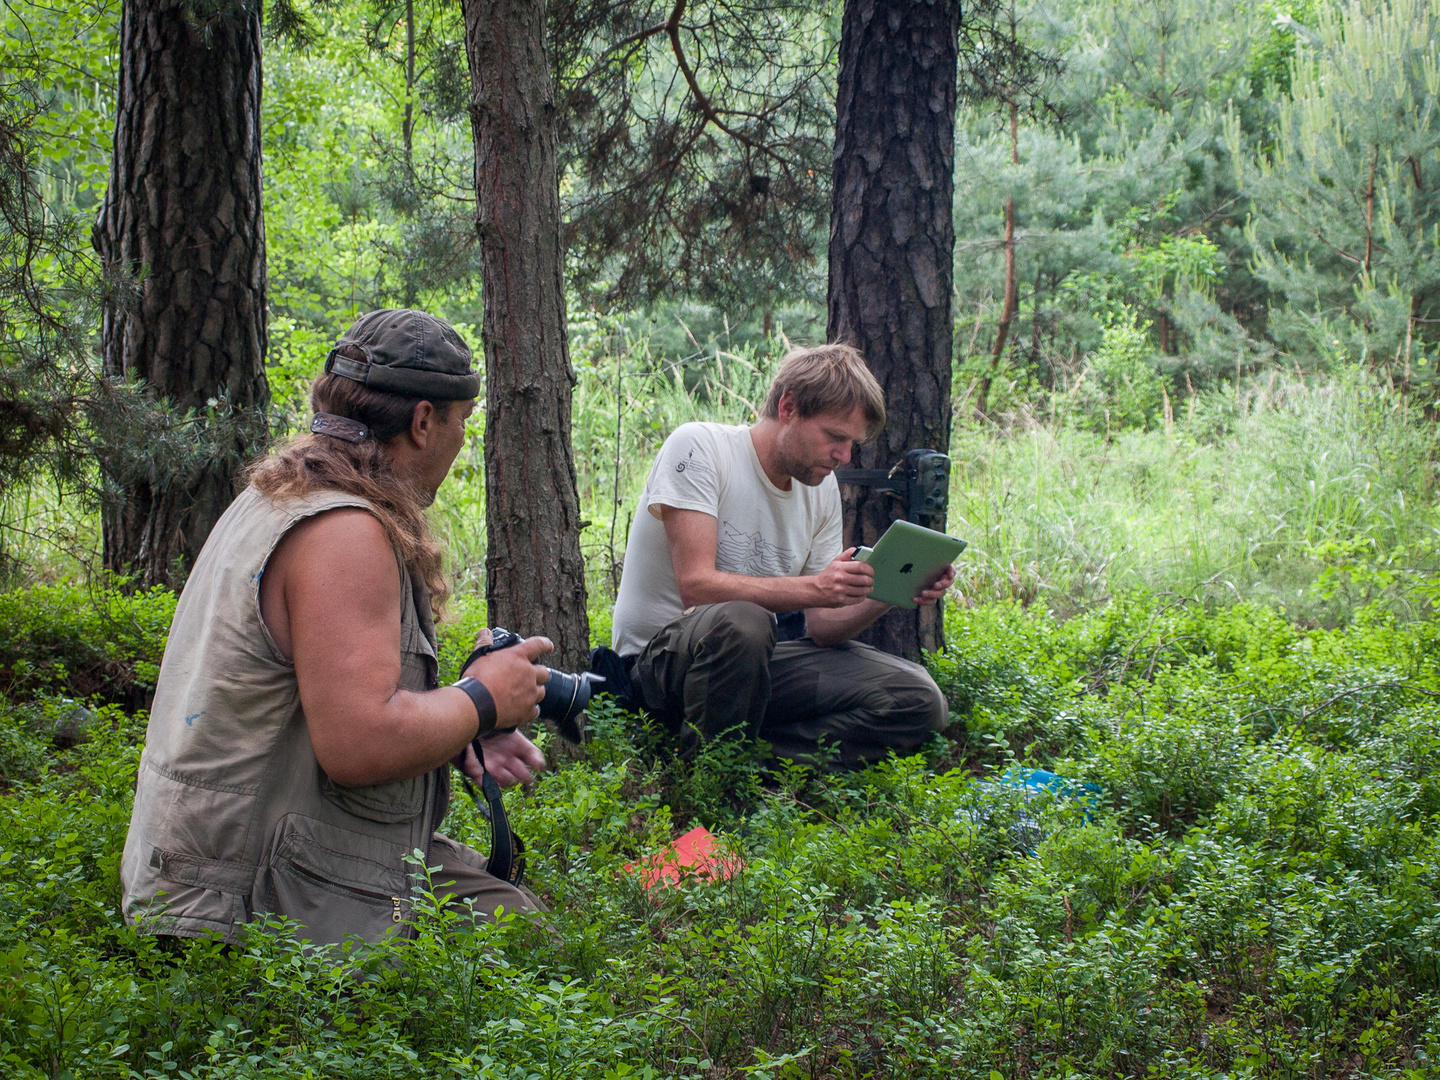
x=892 y=244
x=1011 y=304
x=183 y=214
x=1008 y=307
x=535 y=574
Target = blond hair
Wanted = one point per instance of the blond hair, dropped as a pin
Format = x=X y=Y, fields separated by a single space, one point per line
x=828 y=379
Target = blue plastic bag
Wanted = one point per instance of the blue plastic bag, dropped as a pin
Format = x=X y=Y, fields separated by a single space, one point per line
x=1029 y=784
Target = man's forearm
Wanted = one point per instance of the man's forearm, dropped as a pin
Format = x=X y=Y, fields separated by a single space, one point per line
x=412 y=733
x=773 y=593
x=832 y=626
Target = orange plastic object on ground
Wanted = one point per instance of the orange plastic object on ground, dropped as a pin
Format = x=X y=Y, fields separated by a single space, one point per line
x=693 y=853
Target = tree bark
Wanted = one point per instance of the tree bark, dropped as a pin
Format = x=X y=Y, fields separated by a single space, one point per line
x=892 y=246
x=535 y=574
x=183 y=214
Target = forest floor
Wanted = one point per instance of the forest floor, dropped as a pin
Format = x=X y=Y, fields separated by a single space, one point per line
x=1249 y=884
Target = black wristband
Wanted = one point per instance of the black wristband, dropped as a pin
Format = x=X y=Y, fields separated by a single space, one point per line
x=484 y=703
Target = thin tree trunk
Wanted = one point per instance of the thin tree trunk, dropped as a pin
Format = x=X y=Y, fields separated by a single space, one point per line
x=407 y=136
x=1370 y=212
x=1012 y=295
x=535 y=574
x=183 y=214
x=407 y=126
x=892 y=245
x=1011 y=302
x=1035 y=325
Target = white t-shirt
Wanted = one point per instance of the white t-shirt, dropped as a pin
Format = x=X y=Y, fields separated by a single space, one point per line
x=761 y=530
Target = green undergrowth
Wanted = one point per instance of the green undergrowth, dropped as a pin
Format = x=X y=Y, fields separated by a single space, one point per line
x=83 y=640
x=1250 y=887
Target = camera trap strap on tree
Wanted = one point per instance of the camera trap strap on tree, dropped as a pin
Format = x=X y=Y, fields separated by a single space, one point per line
x=921 y=480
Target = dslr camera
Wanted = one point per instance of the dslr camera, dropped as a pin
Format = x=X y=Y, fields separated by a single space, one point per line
x=566 y=695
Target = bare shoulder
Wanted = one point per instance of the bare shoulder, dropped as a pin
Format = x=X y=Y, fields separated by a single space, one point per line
x=336 y=565
x=344 y=524
x=346 y=535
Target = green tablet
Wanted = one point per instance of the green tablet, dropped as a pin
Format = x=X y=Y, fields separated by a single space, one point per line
x=906 y=558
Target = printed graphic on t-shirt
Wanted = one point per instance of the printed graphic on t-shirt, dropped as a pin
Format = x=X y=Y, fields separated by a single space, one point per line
x=751 y=554
x=691 y=464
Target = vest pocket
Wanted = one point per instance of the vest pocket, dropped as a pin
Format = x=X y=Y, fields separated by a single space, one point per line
x=397 y=801
x=419 y=670
x=203 y=894
x=336 y=882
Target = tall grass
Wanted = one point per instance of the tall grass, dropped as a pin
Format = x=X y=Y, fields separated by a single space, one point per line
x=1243 y=497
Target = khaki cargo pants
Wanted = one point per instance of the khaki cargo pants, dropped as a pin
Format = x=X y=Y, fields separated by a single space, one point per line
x=718 y=670
x=462 y=876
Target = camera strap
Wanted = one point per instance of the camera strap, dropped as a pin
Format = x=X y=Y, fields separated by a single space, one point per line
x=507 y=851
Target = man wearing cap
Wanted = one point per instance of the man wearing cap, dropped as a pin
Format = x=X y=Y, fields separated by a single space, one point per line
x=298 y=749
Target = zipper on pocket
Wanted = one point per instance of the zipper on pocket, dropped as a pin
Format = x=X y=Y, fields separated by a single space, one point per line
x=305 y=871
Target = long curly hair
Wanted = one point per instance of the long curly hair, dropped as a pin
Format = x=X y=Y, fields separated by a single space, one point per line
x=311 y=463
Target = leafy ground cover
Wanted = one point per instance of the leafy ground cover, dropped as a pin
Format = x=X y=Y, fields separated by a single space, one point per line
x=1250 y=888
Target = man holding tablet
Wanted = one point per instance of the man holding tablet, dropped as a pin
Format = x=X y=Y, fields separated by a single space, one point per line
x=737 y=524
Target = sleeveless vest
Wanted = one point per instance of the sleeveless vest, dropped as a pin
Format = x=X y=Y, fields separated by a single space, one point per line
x=233 y=815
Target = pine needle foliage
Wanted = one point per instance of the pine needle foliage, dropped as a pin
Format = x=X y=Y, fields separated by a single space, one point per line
x=47 y=305
x=695 y=139
x=1346 y=205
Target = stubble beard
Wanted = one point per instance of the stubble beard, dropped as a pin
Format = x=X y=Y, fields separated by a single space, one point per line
x=805 y=472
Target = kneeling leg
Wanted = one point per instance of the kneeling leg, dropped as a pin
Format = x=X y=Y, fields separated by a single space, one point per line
x=863 y=700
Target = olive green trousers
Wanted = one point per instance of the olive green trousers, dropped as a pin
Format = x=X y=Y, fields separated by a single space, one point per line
x=718 y=670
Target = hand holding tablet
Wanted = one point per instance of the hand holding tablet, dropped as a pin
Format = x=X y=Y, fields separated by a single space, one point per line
x=906 y=559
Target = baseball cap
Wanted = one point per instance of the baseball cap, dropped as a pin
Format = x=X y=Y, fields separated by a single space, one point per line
x=407 y=352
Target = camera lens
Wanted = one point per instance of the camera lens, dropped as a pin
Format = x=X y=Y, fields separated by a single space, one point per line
x=566 y=696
